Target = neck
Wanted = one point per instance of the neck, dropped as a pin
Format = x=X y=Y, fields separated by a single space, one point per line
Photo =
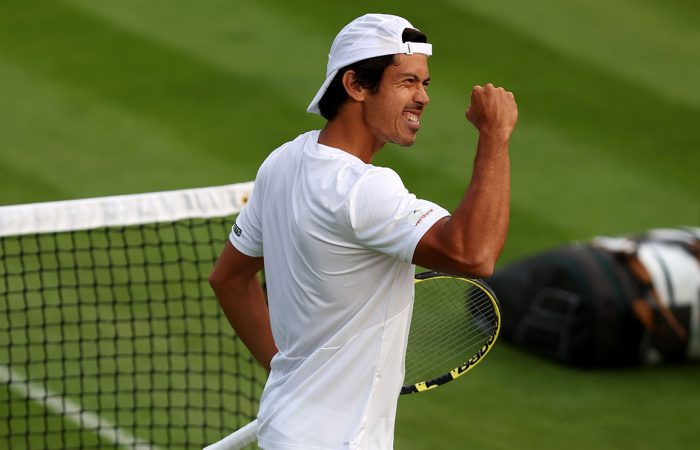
x=349 y=133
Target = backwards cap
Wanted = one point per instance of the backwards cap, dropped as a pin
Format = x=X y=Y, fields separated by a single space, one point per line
x=367 y=37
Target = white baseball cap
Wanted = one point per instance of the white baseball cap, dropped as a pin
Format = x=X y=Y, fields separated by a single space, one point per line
x=367 y=37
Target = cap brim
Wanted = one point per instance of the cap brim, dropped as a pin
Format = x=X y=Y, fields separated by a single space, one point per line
x=313 y=106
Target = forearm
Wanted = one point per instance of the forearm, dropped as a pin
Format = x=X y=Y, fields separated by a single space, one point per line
x=246 y=310
x=479 y=225
x=470 y=241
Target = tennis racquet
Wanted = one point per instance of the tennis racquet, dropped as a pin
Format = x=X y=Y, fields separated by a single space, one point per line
x=455 y=324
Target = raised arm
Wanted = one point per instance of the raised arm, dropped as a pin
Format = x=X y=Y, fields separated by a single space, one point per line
x=470 y=241
x=235 y=283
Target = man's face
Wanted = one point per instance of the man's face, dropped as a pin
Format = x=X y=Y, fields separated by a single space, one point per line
x=393 y=113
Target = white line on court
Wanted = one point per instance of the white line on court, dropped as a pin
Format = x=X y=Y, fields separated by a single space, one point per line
x=70 y=410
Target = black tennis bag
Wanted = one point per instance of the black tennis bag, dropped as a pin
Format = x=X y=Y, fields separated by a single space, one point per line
x=599 y=303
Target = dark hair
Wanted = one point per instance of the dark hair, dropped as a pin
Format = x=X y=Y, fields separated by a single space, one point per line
x=368 y=73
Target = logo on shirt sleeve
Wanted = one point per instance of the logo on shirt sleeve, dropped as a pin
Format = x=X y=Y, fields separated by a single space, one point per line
x=237 y=229
x=417 y=215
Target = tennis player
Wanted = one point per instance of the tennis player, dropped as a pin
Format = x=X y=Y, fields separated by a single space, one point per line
x=338 y=238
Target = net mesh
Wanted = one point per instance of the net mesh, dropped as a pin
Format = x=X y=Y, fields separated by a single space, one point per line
x=112 y=338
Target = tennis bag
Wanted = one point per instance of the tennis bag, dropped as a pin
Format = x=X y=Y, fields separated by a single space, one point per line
x=610 y=301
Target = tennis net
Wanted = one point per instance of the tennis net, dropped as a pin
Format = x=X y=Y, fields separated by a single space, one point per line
x=110 y=336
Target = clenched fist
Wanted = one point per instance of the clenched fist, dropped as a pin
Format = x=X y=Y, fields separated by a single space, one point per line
x=493 y=110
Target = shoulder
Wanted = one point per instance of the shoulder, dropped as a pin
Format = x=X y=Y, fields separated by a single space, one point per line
x=288 y=148
x=373 y=182
x=376 y=194
x=282 y=158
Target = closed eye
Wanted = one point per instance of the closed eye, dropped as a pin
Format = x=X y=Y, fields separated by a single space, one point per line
x=413 y=80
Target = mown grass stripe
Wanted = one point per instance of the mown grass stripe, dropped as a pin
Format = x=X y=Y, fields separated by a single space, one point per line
x=205 y=107
x=632 y=40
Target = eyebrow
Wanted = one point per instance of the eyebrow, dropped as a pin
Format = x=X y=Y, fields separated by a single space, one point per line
x=413 y=76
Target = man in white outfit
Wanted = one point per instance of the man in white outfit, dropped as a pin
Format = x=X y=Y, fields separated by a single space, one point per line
x=338 y=239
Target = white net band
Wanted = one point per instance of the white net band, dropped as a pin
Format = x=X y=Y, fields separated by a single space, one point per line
x=123 y=210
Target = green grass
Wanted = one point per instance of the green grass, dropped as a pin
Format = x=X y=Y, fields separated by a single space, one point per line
x=102 y=98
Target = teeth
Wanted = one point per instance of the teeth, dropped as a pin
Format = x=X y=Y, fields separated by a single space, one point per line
x=411 y=117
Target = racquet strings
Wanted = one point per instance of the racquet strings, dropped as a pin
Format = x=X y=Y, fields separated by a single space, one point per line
x=452 y=319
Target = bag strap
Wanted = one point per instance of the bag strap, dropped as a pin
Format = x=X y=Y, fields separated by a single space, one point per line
x=646 y=316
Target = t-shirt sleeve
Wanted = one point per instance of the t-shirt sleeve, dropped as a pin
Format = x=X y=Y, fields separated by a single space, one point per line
x=385 y=217
x=246 y=232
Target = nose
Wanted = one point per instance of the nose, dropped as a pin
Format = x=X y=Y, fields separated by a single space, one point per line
x=421 y=95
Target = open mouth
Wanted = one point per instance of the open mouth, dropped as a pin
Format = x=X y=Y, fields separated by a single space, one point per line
x=412 y=119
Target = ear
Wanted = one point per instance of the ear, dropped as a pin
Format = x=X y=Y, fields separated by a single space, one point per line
x=353 y=88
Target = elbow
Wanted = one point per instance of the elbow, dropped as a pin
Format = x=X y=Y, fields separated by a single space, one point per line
x=461 y=257
x=478 y=261
x=484 y=270
x=481 y=270
x=476 y=266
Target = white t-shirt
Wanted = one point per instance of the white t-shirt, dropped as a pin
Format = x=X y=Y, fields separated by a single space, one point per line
x=338 y=237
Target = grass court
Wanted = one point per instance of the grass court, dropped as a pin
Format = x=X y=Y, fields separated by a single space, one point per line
x=107 y=98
